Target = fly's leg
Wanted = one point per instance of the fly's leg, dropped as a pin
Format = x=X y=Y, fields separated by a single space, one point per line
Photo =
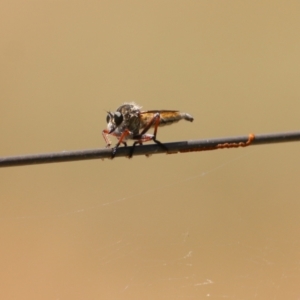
x=114 y=150
x=155 y=132
x=133 y=147
x=105 y=136
x=143 y=137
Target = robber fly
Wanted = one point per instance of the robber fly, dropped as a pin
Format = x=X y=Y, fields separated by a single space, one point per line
x=130 y=122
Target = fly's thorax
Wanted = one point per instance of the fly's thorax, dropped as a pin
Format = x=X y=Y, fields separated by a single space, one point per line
x=129 y=109
x=131 y=117
x=133 y=124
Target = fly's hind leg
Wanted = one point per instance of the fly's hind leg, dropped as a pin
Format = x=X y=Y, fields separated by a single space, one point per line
x=155 y=132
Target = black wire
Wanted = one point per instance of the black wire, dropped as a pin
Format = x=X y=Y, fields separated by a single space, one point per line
x=183 y=146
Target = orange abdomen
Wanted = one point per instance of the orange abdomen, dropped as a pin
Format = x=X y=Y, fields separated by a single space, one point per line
x=167 y=117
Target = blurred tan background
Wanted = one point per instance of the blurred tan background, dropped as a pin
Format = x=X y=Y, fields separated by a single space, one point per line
x=207 y=225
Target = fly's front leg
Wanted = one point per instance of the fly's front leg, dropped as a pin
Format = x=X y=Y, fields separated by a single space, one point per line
x=105 y=136
x=122 y=137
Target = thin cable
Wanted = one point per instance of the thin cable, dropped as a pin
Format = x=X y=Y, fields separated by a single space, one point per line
x=183 y=146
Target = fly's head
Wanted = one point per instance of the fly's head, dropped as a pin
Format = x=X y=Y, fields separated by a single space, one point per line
x=114 y=120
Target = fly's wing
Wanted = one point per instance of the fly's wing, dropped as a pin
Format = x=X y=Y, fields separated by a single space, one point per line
x=167 y=117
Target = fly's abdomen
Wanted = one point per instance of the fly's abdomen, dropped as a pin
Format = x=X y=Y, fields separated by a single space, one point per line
x=169 y=117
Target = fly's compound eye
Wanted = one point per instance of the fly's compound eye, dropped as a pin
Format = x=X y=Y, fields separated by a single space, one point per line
x=109 y=117
x=118 y=118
